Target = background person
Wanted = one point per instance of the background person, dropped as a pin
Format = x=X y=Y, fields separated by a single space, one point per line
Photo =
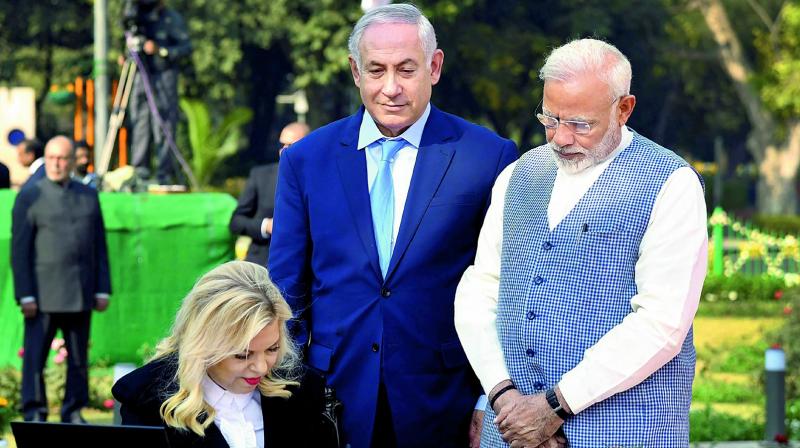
x=228 y=375
x=30 y=154
x=166 y=44
x=82 y=160
x=60 y=266
x=253 y=213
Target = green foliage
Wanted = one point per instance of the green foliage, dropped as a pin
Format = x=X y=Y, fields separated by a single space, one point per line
x=706 y=390
x=779 y=49
x=793 y=417
x=740 y=309
x=789 y=339
x=785 y=224
x=742 y=288
x=10 y=387
x=710 y=425
x=212 y=144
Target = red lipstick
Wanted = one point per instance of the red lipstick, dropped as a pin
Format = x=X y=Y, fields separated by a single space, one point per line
x=253 y=381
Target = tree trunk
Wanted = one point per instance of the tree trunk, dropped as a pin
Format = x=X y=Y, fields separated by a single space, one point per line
x=777 y=161
x=777 y=188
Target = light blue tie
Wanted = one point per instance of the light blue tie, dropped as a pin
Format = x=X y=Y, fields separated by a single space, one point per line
x=381 y=198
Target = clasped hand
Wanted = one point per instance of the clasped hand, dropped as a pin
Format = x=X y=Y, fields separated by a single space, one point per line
x=528 y=421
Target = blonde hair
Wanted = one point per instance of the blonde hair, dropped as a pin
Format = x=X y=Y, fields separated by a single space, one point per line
x=219 y=317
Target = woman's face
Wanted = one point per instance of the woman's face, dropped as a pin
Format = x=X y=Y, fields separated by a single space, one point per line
x=241 y=373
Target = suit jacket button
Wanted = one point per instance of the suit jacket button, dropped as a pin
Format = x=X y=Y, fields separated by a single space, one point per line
x=385 y=292
x=375 y=348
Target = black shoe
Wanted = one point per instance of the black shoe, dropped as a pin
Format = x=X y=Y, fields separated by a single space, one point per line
x=75 y=418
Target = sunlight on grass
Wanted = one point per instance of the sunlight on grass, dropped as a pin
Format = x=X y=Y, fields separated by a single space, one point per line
x=714 y=332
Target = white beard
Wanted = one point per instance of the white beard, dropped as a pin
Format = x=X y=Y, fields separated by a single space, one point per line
x=591 y=157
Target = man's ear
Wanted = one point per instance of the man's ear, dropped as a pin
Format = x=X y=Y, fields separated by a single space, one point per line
x=436 y=66
x=626 y=105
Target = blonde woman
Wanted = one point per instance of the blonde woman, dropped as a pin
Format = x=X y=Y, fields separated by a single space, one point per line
x=228 y=375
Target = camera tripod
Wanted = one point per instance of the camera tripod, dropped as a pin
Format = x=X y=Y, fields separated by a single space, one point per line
x=131 y=68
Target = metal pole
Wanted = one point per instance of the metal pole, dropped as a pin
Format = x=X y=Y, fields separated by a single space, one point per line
x=718 y=239
x=775 y=388
x=100 y=77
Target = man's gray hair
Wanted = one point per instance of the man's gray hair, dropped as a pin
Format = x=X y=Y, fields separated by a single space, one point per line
x=394 y=13
x=589 y=56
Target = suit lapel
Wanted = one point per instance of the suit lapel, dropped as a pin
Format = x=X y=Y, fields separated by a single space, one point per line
x=352 y=165
x=433 y=160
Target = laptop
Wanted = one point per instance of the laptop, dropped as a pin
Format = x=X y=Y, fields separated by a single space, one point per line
x=39 y=435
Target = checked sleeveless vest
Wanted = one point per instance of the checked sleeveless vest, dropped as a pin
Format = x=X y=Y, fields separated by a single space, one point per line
x=562 y=290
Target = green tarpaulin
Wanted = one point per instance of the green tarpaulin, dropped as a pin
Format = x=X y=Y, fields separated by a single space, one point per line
x=158 y=246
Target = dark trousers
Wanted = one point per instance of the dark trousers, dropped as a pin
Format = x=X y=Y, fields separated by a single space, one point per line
x=145 y=126
x=383 y=435
x=39 y=333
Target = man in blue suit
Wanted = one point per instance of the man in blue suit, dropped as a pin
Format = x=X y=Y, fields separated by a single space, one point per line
x=380 y=214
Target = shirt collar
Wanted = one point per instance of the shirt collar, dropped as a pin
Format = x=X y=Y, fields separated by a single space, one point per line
x=35 y=165
x=218 y=397
x=369 y=133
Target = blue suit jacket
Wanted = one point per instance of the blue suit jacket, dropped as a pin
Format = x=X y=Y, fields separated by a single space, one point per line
x=360 y=329
x=36 y=176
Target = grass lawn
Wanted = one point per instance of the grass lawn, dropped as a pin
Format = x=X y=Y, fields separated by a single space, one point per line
x=727 y=397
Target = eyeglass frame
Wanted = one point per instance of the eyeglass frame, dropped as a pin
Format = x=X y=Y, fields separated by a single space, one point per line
x=572 y=125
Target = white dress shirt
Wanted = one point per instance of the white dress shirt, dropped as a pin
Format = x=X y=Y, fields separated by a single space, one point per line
x=403 y=163
x=238 y=416
x=669 y=274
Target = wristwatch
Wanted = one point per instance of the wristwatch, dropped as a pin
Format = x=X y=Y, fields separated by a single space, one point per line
x=552 y=400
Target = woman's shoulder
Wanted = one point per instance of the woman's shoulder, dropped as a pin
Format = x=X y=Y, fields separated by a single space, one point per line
x=152 y=382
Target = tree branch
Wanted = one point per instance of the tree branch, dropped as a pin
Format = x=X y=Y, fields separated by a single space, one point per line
x=735 y=63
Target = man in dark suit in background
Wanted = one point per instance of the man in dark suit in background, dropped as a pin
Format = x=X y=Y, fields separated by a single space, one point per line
x=378 y=217
x=30 y=154
x=60 y=265
x=253 y=214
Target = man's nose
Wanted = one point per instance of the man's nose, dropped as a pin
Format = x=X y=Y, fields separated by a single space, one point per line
x=562 y=136
x=391 y=88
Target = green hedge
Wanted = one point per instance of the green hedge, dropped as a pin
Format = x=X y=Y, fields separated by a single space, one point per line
x=158 y=246
x=785 y=224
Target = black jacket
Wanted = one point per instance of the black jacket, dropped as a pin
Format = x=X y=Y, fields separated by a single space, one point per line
x=5 y=177
x=256 y=202
x=293 y=422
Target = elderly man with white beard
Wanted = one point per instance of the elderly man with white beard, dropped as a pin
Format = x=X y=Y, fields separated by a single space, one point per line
x=577 y=314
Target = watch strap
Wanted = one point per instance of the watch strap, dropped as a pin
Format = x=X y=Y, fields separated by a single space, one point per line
x=552 y=400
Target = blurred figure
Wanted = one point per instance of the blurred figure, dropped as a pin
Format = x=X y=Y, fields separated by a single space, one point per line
x=5 y=177
x=253 y=214
x=31 y=155
x=164 y=45
x=82 y=160
x=60 y=266
x=228 y=375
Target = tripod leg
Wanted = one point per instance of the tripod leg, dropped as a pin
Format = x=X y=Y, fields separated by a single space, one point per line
x=120 y=105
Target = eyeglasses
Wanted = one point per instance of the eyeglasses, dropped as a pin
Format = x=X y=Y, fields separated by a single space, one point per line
x=574 y=126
